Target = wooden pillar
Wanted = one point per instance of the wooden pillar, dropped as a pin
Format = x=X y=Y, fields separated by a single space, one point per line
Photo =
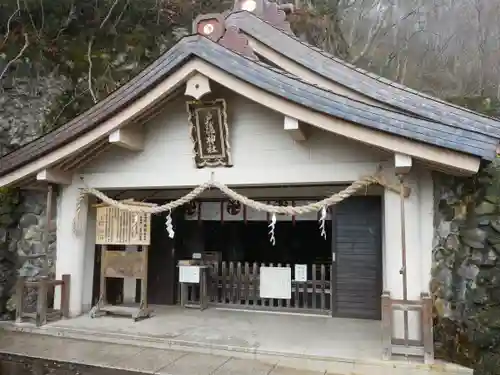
x=427 y=328
x=333 y=269
x=386 y=326
x=20 y=298
x=65 y=290
x=41 y=303
x=46 y=232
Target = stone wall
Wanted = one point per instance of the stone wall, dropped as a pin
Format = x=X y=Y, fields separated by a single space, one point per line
x=466 y=269
x=22 y=220
x=21 y=245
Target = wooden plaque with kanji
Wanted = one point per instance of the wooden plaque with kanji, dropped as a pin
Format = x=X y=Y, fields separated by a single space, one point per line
x=210 y=133
x=117 y=227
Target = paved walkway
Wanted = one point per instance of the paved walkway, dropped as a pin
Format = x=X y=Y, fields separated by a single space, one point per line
x=145 y=360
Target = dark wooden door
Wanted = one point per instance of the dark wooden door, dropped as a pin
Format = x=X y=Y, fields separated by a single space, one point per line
x=358 y=266
x=161 y=264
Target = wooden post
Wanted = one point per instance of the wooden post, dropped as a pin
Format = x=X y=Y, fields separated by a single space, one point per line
x=203 y=288
x=426 y=323
x=48 y=215
x=41 y=303
x=386 y=326
x=333 y=268
x=20 y=298
x=144 y=280
x=102 y=280
x=403 y=271
x=65 y=290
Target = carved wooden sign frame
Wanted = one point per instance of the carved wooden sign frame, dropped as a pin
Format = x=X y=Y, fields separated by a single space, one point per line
x=209 y=133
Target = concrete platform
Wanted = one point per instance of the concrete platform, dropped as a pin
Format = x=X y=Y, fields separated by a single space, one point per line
x=293 y=342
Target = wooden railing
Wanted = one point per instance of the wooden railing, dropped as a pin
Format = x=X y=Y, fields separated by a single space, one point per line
x=424 y=346
x=236 y=285
x=42 y=313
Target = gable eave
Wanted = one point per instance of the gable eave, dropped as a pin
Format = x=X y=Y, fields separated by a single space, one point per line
x=295 y=98
x=360 y=81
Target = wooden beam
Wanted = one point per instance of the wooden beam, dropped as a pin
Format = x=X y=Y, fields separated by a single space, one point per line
x=131 y=139
x=295 y=129
x=54 y=176
x=402 y=163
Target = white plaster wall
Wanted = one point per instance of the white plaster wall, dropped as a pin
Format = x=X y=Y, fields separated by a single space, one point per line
x=263 y=153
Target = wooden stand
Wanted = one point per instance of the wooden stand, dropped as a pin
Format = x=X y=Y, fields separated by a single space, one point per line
x=188 y=286
x=124 y=228
x=43 y=314
x=123 y=264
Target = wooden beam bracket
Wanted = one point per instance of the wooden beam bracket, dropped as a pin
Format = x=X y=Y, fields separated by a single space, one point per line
x=296 y=129
x=402 y=163
x=54 y=176
x=128 y=138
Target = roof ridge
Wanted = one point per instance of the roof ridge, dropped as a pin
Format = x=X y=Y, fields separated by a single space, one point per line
x=476 y=116
x=340 y=96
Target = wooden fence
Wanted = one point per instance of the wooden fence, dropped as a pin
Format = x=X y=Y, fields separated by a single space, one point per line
x=43 y=311
x=236 y=285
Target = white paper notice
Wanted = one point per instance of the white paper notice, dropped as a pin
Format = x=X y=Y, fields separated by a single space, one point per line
x=301 y=272
x=189 y=274
x=276 y=282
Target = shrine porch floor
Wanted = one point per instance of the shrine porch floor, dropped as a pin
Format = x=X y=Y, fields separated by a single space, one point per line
x=303 y=342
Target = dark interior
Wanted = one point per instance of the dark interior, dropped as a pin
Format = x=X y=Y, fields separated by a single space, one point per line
x=298 y=242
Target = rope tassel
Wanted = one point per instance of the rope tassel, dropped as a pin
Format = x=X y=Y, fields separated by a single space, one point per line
x=169 y=226
x=322 y=222
x=272 y=226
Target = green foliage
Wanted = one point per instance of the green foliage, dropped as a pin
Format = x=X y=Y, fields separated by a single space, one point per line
x=95 y=45
x=98 y=45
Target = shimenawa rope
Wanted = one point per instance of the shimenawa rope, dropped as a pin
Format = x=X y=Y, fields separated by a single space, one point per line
x=259 y=206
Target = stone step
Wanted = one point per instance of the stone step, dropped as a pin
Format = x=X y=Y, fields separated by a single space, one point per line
x=299 y=362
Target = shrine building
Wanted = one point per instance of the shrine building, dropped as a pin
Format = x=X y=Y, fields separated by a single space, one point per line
x=248 y=172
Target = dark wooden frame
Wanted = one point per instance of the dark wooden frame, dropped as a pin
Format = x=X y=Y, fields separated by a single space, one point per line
x=423 y=347
x=236 y=285
x=42 y=315
x=222 y=132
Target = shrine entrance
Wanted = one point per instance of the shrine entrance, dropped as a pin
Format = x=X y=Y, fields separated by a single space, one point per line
x=333 y=271
x=237 y=249
x=337 y=272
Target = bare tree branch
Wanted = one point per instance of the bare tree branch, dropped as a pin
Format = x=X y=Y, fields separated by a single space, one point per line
x=18 y=10
x=89 y=74
x=37 y=32
x=373 y=33
x=109 y=14
x=17 y=57
x=67 y=21
x=75 y=96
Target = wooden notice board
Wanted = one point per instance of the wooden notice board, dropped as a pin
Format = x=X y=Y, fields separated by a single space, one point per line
x=118 y=227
